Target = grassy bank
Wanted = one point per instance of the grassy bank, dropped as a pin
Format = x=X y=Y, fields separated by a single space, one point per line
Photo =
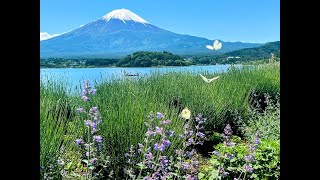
x=124 y=106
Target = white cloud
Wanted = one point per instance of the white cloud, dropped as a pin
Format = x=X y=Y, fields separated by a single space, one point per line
x=45 y=36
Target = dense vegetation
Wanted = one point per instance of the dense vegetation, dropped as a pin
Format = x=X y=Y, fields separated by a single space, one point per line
x=148 y=59
x=258 y=55
x=102 y=132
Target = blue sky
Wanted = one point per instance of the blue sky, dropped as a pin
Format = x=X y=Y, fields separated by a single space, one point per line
x=228 y=20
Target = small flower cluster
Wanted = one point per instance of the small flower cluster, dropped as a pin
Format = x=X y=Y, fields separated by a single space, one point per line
x=227 y=135
x=156 y=140
x=188 y=156
x=228 y=146
x=250 y=158
x=154 y=165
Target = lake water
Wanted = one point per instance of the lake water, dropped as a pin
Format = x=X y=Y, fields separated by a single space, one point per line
x=74 y=76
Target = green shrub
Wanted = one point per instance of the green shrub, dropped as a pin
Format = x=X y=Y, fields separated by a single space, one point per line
x=267 y=122
x=266 y=163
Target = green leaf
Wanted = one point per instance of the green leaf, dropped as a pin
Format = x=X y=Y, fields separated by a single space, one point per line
x=85 y=161
x=68 y=166
x=200 y=175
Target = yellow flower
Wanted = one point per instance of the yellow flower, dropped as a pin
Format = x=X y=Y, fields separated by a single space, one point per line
x=185 y=113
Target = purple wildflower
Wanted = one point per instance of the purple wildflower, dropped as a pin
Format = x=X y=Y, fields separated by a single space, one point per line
x=85 y=98
x=227 y=130
x=92 y=91
x=230 y=156
x=147 y=178
x=232 y=144
x=165 y=122
x=164 y=161
x=166 y=143
x=149 y=133
x=160 y=115
x=190 y=141
x=257 y=141
x=190 y=133
x=170 y=133
x=140 y=147
x=159 y=130
x=181 y=136
x=79 y=141
x=200 y=134
x=80 y=109
x=94 y=125
x=249 y=157
x=190 y=153
x=84 y=92
x=161 y=147
x=87 y=154
x=97 y=138
x=93 y=160
x=156 y=175
x=216 y=153
x=156 y=146
x=256 y=138
x=88 y=123
x=93 y=109
x=189 y=177
x=248 y=168
x=251 y=147
x=185 y=166
x=223 y=172
x=149 y=156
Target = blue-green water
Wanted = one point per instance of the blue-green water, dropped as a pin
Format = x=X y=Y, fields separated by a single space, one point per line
x=73 y=77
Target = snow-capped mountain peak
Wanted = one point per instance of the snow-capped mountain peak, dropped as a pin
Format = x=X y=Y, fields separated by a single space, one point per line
x=124 y=15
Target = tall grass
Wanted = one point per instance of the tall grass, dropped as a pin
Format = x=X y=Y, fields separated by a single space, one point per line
x=124 y=105
x=56 y=111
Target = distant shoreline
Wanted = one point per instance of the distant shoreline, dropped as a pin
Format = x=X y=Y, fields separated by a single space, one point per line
x=89 y=67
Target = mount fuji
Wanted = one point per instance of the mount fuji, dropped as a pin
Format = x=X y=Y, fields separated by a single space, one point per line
x=122 y=32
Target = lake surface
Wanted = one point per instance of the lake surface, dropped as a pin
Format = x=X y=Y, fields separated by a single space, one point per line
x=74 y=77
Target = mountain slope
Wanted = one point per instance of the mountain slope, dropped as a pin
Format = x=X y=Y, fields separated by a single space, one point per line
x=122 y=32
x=258 y=52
